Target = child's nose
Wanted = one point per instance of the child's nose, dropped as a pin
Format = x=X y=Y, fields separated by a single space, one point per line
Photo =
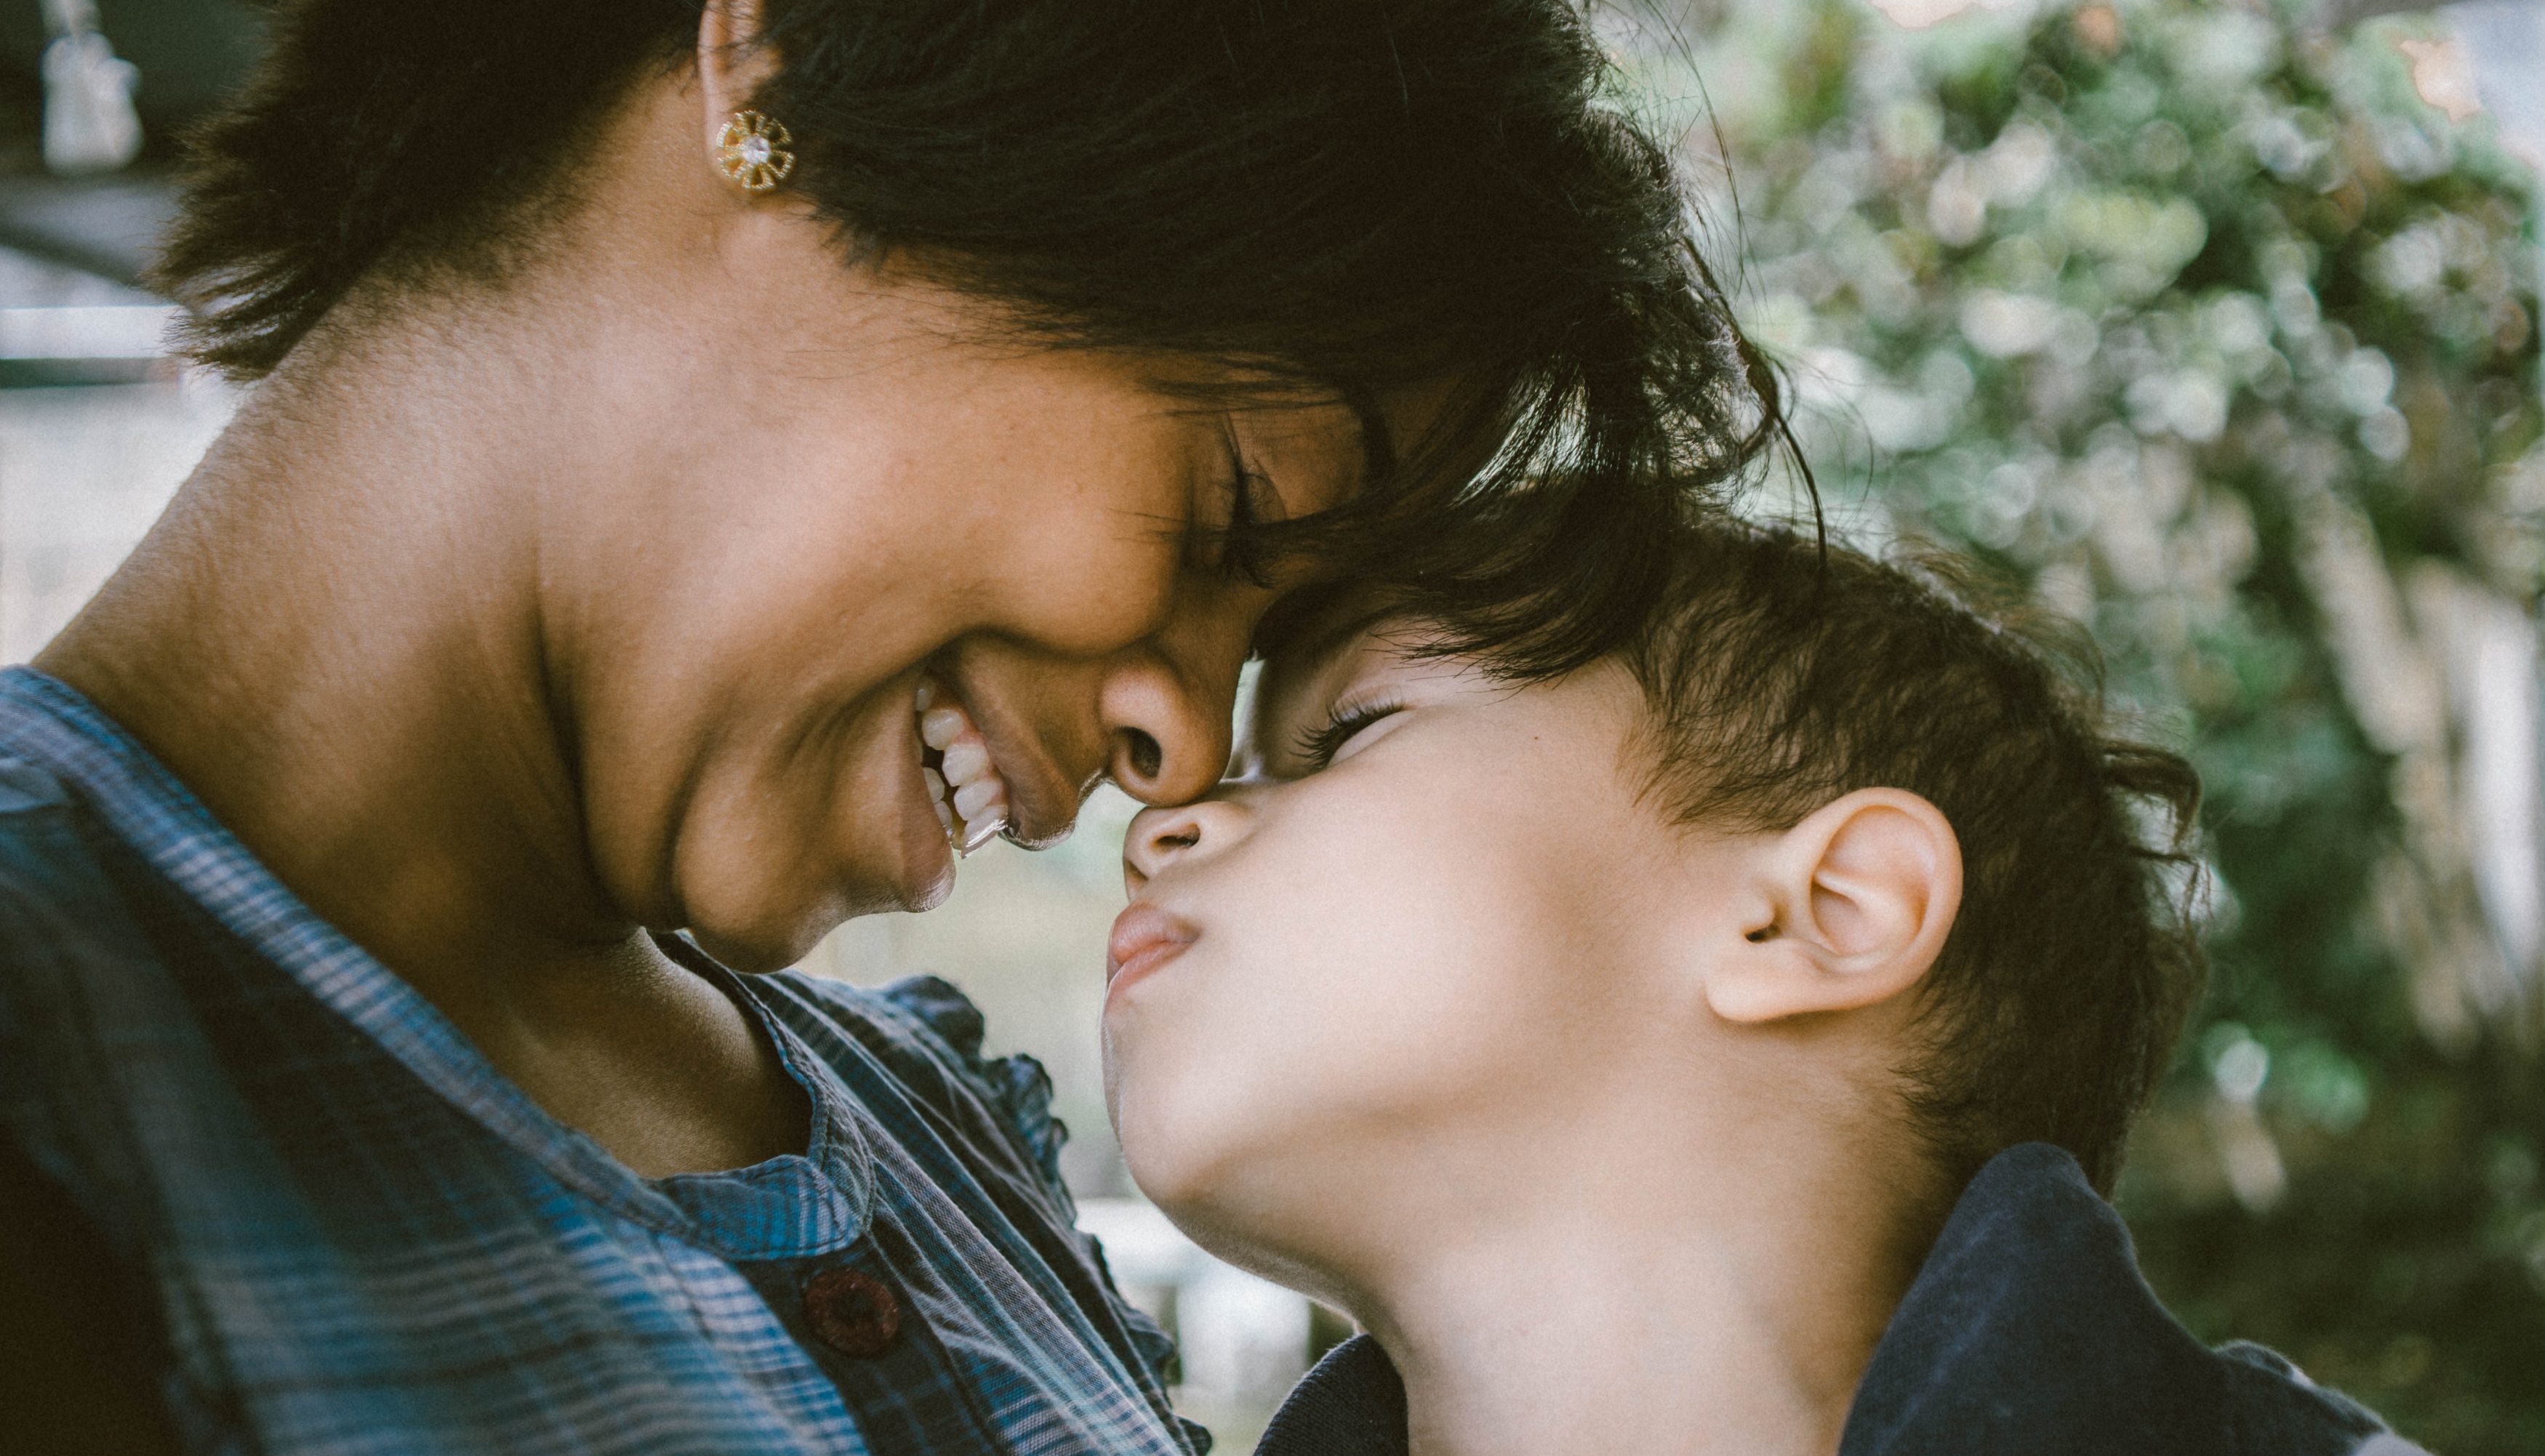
x=1159 y=838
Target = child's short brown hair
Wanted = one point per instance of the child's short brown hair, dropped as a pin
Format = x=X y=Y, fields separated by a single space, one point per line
x=1783 y=675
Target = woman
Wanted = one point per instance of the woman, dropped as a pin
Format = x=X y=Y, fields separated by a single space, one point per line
x=709 y=467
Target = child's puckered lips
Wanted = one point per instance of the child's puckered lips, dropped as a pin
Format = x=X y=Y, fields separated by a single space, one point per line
x=1145 y=937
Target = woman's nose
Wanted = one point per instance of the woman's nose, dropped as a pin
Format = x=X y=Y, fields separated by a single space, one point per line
x=1166 y=706
x=1170 y=737
x=1159 y=838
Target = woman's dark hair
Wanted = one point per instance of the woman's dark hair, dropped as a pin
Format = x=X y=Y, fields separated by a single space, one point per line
x=1339 y=197
x=1780 y=677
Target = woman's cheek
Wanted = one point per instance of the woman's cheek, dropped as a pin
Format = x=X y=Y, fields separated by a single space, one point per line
x=1089 y=601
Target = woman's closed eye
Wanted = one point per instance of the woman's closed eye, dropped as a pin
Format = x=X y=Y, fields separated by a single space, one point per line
x=1316 y=748
x=1240 y=555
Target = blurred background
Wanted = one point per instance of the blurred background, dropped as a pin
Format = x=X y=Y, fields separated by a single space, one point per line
x=2214 y=323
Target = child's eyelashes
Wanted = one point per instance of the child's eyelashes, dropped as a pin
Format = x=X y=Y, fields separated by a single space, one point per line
x=1316 y=747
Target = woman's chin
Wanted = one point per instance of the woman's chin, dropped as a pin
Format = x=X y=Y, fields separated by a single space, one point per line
x=753 y=953
x=773 y=927
x=785 y=939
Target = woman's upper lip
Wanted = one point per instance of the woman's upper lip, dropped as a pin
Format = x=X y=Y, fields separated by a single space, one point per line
x=1034 y=786
x=1139 y=929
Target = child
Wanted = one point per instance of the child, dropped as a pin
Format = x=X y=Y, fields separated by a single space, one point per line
x=1722 y=1047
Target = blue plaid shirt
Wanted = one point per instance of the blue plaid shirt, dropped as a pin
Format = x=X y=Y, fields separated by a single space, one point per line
x=360 y=1238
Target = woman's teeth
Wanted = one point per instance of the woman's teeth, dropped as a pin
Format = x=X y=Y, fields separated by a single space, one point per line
x=967 y=759
x=962 y=770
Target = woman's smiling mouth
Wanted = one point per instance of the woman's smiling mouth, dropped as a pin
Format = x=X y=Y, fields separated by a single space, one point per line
x=970 y=796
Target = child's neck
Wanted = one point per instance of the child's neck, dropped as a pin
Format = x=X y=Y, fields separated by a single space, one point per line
x=1731 y=1314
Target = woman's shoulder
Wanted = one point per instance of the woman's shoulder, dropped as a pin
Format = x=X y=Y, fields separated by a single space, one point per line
x=46 y=857
x=76 y=909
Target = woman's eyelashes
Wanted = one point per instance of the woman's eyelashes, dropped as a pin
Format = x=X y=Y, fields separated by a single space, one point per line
x=1241 y=554
x=1315 y=747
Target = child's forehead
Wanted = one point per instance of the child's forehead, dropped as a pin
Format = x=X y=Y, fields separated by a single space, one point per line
x=1318 y=650
x=1313 y=629
x=1318 y=620
x=1295 y=682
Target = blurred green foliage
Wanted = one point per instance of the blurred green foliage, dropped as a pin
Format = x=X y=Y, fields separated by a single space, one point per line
x=2199 y=319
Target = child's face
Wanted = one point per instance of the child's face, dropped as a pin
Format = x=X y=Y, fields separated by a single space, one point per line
x=1408 y=936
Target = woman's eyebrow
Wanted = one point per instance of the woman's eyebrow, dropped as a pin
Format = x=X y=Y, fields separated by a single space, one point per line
x=1377 y=440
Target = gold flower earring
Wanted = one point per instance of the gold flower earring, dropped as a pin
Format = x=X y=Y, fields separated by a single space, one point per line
x=752 y=151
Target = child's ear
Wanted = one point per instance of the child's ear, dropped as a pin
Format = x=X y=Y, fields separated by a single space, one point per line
x=1846 y=909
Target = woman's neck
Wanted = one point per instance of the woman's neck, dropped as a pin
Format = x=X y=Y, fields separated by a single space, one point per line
x=1730 y=1313
x=335 y=638
x=331 y=637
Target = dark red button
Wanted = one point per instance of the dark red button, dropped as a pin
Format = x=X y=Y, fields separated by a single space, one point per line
x=852 y=1313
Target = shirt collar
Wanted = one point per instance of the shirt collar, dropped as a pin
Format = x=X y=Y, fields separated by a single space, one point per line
x=2028 y=1327
x=2029 y=1323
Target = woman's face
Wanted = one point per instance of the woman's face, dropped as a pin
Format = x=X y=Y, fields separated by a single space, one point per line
x=1391 y=952
x=866 y=493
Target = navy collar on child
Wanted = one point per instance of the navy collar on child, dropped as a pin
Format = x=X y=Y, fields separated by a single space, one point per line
x=2028 y=1330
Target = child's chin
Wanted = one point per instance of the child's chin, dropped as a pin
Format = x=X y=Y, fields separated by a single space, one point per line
x=1184 y=1178
x=1212 y=1154
x=1164 y=1177
x=1173 y=1139
x=1215 y=1200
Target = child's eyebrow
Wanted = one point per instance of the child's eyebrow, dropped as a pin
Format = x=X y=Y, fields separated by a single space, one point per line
x=1317 y=624
x=1297 y=684
x=1277 y=697
x=1302 y=623
x=1314 y=621
x=1312 y=668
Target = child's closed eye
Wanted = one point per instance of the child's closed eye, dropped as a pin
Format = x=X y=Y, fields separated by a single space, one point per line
x=1316 y=748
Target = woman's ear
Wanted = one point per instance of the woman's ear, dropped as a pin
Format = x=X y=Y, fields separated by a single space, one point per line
x=732 y=64
x=1847 y=908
